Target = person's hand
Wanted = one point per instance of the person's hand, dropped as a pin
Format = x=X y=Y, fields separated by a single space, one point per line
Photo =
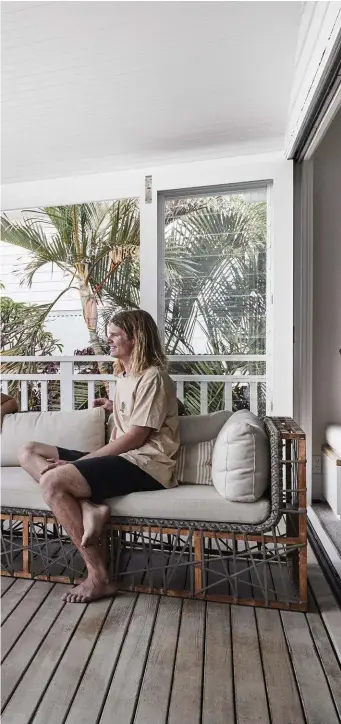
x=52 y=463
x=105 y=403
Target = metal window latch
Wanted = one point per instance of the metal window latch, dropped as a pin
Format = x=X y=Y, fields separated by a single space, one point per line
x=148 y=190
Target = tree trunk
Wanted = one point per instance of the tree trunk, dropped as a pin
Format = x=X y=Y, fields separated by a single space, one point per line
x=90 y=314
x=97 y=348
x=95 y=342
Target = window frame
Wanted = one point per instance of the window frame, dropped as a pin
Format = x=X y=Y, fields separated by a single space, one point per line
x=225 y=189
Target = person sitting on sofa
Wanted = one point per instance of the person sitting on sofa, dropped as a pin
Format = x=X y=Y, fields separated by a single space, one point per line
x=8 y=405
x=140 y=455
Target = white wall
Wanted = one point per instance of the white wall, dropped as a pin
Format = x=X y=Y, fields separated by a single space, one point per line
x=269 y=167
x=327 y=288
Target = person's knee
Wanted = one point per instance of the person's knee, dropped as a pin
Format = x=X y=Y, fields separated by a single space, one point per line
x=26 y=451
x=51 y=484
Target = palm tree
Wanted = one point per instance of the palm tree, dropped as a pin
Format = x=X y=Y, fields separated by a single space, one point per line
x=225 y=243
x=96 y=244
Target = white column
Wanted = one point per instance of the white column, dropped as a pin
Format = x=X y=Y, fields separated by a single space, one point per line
x=254 y=397
x=228 y=396
x=23 y=396
x=91 y=394
x=303 y=381
x=66 y=386
x=44 y=396
x=281 y=312
x=203 y=398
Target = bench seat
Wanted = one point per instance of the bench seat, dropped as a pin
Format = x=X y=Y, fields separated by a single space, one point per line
x=187 y=541
x=185 y=502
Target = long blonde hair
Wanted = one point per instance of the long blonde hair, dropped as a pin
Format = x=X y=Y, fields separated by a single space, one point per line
x=141 y=329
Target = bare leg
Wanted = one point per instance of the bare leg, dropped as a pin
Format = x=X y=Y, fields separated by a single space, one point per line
x=95 y=516
x=62 y=489
x=33 y=456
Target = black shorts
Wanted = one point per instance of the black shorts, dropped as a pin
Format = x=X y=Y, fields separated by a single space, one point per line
x=110 y=475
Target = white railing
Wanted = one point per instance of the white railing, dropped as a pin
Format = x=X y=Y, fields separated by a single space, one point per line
x=67 y=375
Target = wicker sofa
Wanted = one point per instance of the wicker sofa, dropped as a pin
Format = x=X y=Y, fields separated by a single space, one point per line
x=187 y=541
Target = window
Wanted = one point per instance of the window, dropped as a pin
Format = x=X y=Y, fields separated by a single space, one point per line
x=215 y=249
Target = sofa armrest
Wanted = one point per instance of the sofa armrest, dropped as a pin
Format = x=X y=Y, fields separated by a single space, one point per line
x=287 y=469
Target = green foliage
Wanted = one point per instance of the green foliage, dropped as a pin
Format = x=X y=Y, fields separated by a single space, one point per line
x=22 y=329
x=23 y=334
x=81 y=240
x=225 y=242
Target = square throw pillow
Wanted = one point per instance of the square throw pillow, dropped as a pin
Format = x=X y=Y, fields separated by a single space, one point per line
x=241 y=459
x=197 y=437
x=194 y=463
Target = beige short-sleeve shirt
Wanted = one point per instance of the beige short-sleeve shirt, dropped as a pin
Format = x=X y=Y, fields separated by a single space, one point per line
x=149 y=400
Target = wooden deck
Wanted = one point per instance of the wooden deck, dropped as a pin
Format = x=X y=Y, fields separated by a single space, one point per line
x=142 y=659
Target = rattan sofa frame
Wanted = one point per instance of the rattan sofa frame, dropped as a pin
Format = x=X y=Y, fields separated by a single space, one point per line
x=264 y=564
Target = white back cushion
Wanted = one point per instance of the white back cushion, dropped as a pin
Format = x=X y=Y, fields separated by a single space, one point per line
x=82 y=430
x=240 y=461
x=201 y=428
x=194 y=428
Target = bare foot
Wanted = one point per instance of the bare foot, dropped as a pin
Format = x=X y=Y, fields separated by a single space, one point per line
x=90 y=590
x=94 y=519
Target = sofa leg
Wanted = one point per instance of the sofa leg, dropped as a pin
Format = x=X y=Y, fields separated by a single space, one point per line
x=302 y=502
x=198 y=563
x=303 y=583
x=25 y=541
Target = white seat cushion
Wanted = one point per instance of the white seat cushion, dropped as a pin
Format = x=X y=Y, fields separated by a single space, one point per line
x=82 y=430
x=333 y=438
x=240 y=461
x=185 y=502
x=20 y=490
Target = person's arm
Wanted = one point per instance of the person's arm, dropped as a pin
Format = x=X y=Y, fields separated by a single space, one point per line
x=108 y=407
x=105 y=403
x=8 y=405
x=132 y=440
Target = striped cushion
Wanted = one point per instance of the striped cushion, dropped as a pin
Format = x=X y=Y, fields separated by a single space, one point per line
x=194 y=463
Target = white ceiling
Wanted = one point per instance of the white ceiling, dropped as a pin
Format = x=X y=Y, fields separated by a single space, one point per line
x=89 y=87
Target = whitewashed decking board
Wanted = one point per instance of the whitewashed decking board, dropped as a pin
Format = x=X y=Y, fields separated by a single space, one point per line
x=139 y=659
